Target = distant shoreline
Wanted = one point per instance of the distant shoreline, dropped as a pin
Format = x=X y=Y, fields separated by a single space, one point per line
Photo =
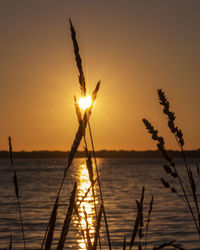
x=99 y=154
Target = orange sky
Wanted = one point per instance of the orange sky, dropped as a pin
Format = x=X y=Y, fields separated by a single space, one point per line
x=134 y=47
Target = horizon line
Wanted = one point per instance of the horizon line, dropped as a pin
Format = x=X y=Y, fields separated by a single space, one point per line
x=99 y=150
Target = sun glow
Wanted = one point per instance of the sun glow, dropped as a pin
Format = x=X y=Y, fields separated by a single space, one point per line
x=85 y=102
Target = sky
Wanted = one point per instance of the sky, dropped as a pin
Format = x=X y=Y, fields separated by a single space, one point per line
x=133 y=47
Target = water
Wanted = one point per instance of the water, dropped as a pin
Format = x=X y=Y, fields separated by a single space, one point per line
x=122 y=181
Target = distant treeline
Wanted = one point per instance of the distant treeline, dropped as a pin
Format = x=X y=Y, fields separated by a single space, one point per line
x=99 y=154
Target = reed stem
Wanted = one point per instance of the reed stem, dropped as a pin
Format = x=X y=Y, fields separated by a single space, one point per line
x=99 y=184
x=93 y=193
x=188 y=169
x=16 y=190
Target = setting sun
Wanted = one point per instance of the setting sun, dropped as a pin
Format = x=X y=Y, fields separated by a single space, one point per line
x=85 y=102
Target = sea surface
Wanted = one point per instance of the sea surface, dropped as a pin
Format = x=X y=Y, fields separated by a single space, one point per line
x=121 y=183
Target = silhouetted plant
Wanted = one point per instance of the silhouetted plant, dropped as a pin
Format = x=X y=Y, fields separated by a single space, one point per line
x=10 y=244
x=83 y=120
x=68 y=218
x=15 y=180
x=88 y=112
x=148 y=220
x=97 y=228
x=139 y=226
x=51 y=227
x=188 y=187
x=73 y=209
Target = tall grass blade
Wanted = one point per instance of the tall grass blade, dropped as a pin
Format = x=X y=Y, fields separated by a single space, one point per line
x=78 y=60
x=94 y=96
x=76 y=212
x=75 y=144
x=135 y=231
x=10 y=244
x=97 y=229
x=68 y=218
x=82 y=120
x=171 y=117
x=91 y=177
x=52 y=223
x=87 y=230
x=137 y=222
x=193 y=187
x=16 y=189
x=124 y=243
x=16 y=185
x=148 y=220
x=100 y=190
x=96 y=90
x=72 y=153
x=162 y=149
x=179 y=138
x=89 y=166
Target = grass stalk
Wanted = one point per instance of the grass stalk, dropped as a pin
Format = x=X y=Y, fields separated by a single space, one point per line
x=148 y=221
x=99 y=185
x=162 y=149
x=52 y=223
x=191 y=181
x=72 y=153
x=67 y=220
x=87 y=230
x=78 y=59
x=138 y=220
x=124 y=243
x=180 y=141
x=91 y=175
x=80 y=224
x=97 y=228
x=10 y=244
x=15 y=180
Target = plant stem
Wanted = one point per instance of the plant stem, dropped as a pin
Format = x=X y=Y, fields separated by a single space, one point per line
x=99 y=184
x=22 y=225
x=16 y=189
x=93 y=193
x=188 y=169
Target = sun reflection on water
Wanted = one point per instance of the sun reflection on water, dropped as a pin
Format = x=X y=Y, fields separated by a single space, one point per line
x=86 y=206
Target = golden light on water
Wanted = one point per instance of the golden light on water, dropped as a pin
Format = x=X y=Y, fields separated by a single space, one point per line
x=86 y=205
x=85 y=102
